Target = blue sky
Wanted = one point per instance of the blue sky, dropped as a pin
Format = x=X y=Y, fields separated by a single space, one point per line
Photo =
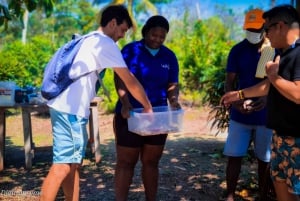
x=203 y=9
x=264 y=4
x=244 y=4
x=206 y=8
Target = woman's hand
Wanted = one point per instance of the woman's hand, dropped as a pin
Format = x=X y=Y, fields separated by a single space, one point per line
x=175 y=105
x=125 y=111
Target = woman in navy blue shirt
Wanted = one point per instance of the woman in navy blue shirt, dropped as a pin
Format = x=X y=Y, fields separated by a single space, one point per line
x=156 y=67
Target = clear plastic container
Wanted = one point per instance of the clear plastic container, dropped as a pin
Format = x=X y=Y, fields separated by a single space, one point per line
x=162 y=120
x=7 y=93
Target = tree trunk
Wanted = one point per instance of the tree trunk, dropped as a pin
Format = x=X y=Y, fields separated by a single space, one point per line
x=24 y=30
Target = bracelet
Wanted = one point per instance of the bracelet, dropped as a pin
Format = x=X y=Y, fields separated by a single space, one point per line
x=241 y=94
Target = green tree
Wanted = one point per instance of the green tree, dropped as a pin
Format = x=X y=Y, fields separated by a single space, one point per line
x=23 y=63
x=20 y=9
x=136 y=8
x=202 y=47
x=69 y=17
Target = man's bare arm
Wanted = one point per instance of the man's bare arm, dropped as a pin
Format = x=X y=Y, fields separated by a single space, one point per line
x=134 y=87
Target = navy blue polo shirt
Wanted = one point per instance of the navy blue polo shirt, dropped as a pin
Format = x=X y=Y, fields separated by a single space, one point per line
x=242 y=60
x=153 y=72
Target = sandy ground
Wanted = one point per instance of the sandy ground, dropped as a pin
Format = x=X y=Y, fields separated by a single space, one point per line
x=192 y=167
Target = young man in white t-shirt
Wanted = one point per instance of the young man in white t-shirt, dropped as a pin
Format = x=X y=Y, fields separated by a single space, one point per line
x=70 y=110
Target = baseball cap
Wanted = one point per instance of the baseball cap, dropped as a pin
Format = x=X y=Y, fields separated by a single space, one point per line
x=254 y=19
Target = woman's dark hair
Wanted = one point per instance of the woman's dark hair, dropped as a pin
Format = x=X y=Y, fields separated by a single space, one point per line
x=155 y=21
x=118 y=12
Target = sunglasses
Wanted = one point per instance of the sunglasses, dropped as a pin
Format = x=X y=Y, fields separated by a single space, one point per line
x=267 y=29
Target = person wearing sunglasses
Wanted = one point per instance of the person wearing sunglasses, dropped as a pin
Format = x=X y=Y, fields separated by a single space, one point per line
x=283 y=99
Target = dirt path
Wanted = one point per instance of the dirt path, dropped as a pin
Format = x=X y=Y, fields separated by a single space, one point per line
x=192 y=167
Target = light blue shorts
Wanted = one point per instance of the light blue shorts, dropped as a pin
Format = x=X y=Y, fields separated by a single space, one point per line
x=241 y=135
x=69 y=137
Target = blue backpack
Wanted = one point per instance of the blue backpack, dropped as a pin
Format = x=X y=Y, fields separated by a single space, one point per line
x=56 y=75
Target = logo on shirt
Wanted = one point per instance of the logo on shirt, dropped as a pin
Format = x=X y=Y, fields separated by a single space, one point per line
x=167 y=66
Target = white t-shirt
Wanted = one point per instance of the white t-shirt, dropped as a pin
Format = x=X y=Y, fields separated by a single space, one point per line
x=96 y=53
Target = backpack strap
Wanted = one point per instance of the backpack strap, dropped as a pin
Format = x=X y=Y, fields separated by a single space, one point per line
x=106 y=92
